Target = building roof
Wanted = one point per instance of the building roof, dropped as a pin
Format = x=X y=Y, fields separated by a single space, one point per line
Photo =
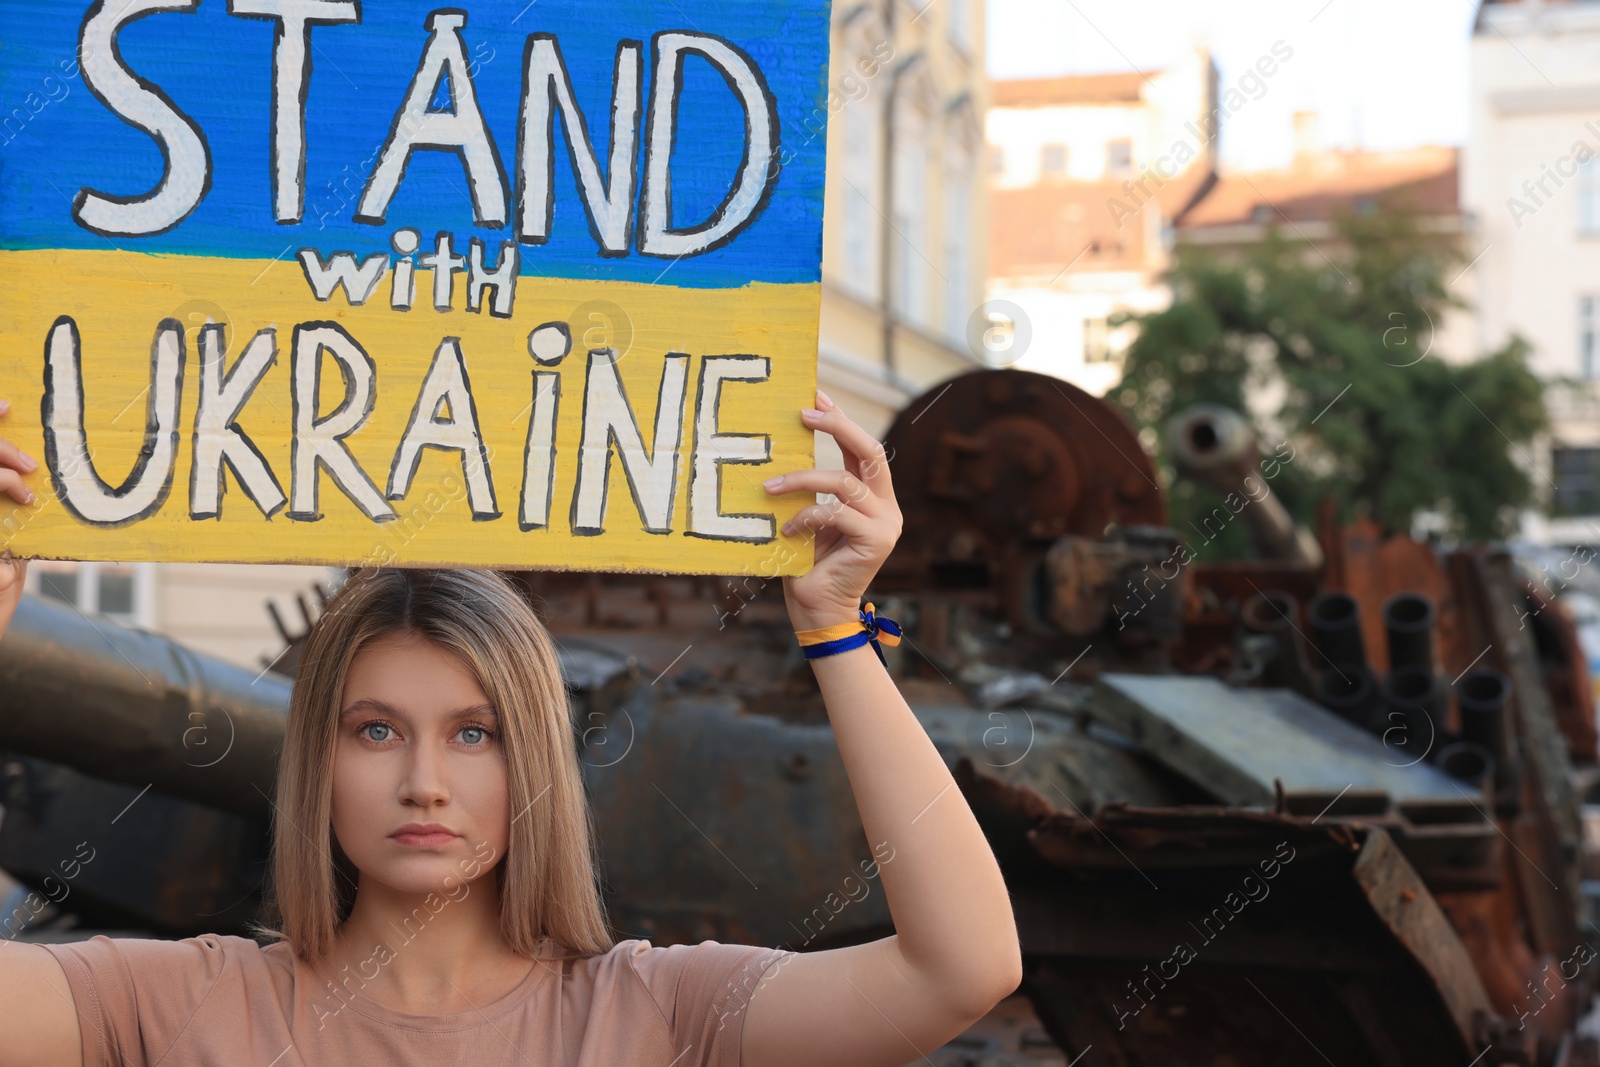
x=1073 y=89
x=1039 y=230
x=1316 y=185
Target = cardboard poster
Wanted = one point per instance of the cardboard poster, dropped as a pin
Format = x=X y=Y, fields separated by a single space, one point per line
x=511 y=284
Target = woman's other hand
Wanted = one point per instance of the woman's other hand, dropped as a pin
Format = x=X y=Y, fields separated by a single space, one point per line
x=854 y=534
x=15 y=466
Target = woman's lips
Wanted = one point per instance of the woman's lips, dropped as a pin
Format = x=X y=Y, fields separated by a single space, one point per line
x=433 y=840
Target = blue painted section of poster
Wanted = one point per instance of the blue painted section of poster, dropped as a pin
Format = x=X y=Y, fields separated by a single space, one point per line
x=413 y=120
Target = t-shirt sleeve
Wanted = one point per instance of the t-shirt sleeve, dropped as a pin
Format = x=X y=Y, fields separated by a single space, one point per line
x=135 y=995
x=703 y=991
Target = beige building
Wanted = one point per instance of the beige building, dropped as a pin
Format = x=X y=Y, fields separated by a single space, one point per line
x=1089 y=173
x=1531 y=180
x=905 y=227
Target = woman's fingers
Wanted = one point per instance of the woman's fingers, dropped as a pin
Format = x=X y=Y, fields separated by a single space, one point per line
x=13 y=457
x=851 y=463
x=848 y=521
x=12 y=460
x=842 y=484
x=871 y=462
x=14 y=463
x=11 y=486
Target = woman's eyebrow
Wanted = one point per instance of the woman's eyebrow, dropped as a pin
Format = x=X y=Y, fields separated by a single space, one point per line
x=366 y=706
x=360 y=707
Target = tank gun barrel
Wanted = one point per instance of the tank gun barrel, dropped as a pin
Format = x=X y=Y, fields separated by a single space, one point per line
x=1217 y=448
x=136 y=708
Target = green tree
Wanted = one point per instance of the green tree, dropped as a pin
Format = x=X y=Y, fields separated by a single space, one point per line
x=1341 y=329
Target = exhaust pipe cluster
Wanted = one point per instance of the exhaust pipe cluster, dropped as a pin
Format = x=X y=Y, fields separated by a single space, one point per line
x=1408 y=706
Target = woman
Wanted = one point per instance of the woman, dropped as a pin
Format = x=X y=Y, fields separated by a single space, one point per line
x=433 y=860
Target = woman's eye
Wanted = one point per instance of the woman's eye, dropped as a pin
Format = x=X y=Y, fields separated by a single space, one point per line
x=475 y=735
x=377 y=726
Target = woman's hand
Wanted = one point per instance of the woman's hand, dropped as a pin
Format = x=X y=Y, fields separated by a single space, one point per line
x=854 y=534
x=14 y=465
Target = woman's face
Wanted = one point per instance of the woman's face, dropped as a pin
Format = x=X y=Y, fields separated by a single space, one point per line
x=418 y=750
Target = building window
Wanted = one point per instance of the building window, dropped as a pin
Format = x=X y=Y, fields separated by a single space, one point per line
x=1577 y=478
x=958 y=243
x=911 y=218
x=1588 y=312
x=1103 y=342
x=121 y=592
x=860 y=216
x=961 y=24
x=1053 y=161
x=1097 y=341
x=997 y=160
x=1119 y=157
x=1589 y=196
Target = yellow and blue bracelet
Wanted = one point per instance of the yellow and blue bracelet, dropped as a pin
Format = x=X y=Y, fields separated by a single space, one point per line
x=828 y=640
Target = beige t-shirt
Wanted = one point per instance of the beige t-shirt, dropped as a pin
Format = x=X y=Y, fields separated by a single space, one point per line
x=222 y=1001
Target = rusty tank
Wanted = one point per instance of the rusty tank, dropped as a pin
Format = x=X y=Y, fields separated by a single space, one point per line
x=1322 y=804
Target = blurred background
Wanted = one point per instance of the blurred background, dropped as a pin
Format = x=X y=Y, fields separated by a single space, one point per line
x=1080 y=187
x=1104 y=275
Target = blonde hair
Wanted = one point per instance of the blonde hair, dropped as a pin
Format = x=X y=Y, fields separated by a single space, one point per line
x=548 y=878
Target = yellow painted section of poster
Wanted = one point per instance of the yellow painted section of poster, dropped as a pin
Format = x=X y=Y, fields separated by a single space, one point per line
x=118 y=299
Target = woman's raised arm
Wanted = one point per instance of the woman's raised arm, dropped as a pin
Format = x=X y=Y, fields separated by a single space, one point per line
x=955 y=953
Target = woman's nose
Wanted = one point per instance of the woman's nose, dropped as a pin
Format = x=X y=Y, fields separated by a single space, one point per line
x=423 y=781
